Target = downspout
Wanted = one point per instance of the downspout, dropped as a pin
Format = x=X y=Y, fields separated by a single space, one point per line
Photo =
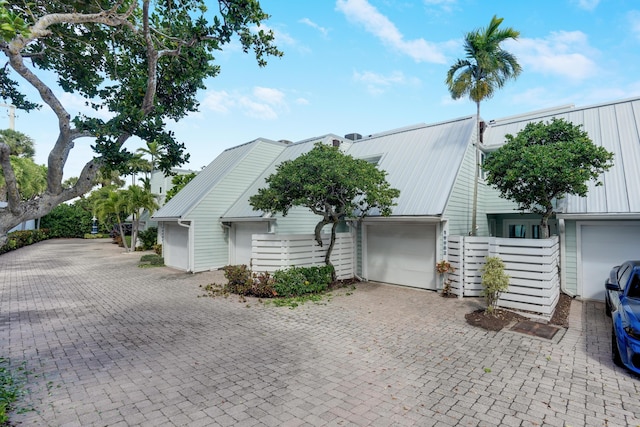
x=354 y=225
x=226 y=227
x=190 y=240
x=563 y=251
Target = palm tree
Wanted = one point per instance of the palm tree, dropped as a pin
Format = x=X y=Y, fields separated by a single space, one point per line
x=137 y=163
x=138 y=200
x=154 y=150
x=485 y=68
x=115 y=204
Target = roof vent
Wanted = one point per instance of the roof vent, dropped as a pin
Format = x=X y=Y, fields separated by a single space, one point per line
x=353 y=136
x=336 y=143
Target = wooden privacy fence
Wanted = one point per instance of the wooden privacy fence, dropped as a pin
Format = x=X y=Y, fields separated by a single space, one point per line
x=271 y=252
x=532 y=265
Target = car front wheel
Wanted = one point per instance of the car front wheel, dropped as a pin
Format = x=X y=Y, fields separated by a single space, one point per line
x=615 y=352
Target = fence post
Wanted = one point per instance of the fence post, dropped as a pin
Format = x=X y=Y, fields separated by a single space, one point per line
x=461 y=267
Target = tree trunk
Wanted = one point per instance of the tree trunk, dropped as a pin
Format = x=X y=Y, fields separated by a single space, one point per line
x=476 y=178
x=327 y=257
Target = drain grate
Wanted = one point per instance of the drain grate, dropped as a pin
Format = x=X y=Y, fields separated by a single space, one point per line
x=535 y=329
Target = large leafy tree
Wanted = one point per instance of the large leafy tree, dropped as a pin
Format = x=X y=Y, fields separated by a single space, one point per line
x=545 y=162
x=142 y=61
x=485 y=68
x=178 y=182
x=331 y=184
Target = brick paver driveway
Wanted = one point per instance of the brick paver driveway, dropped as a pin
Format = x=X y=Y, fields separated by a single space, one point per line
x=111 y=344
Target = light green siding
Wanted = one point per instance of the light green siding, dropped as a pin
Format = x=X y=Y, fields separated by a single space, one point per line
x=211 y=246
x=458 y=210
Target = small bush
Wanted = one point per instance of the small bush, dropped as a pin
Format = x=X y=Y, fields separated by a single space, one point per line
x=239 y=279
x=151 y=260
x=494 y=281
x=296 y=281
x=157 y=249
x=148 y=238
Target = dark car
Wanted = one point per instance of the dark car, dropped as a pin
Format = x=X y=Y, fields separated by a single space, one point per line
x=622 y=299
x=115 y=230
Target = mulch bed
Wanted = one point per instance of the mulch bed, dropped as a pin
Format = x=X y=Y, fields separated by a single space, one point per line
x=501 y=318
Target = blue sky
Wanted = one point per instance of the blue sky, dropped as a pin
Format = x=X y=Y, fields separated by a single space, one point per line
x=368 y=66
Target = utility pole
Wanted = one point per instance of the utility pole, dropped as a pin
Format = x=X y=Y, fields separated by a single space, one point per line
x=12 y=115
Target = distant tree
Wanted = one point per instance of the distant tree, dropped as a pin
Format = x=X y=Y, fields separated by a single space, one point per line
x=544 y=162
x=21 y=145
x=485 y=69
x=31 y=178
x=154 y=150
x=331 y=184
x=143 y=62
x=178 y=182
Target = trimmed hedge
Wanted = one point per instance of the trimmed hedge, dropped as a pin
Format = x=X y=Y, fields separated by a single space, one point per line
x=20 y=239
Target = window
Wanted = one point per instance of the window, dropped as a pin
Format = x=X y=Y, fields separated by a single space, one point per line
x=634 y=287
x=524 y=229
x=623 y=276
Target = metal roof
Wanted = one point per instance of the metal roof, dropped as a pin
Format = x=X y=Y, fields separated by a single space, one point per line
x=187 y=198
x=422 y=161
x=241 y=208
x=615 y=126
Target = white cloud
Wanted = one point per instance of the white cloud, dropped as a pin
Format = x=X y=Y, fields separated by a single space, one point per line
x=302 y=101
x=263 y=103
x=562 y=53
x=363 y=13
x=378 y=83
x=587 y=4
x=324 y=31
x=445 y=5
x=77 y=104
x=634 y=22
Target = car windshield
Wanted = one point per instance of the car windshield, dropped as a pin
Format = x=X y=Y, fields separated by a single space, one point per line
x=634 y=287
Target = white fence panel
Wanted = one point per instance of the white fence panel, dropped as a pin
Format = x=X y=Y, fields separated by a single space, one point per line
x=271 y=252
x=532 y=265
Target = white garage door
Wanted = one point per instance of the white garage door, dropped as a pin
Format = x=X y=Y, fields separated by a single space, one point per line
x=242 y=240
x=602 y=247
x=403 y=254
x=175 y=246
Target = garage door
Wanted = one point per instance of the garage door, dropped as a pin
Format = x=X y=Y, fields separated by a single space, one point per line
x=602 y=247
x=403 y=254
x=175 y=246
x=242 y=241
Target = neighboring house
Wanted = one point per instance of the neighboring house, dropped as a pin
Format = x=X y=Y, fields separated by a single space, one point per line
x=602 y=229
x=160 y=185
x=189 y=228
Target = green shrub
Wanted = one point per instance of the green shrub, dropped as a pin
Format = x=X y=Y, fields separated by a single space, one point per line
x=151 y=260
x=148 y=238
x=19 y=239
x=95 y=236
x=239 y=280
x=296 y=281
x=157 y=249
x=494 y=281
x=67 y=221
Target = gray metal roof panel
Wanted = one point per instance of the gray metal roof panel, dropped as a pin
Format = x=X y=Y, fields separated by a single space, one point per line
x=241 y=208
x=615 y=126
x=422 y=161
x=187 y=198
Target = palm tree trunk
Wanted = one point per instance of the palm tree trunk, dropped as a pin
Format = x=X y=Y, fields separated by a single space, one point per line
x=476 y=178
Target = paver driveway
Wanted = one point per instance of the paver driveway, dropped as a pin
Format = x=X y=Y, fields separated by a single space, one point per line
x=114 y=345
